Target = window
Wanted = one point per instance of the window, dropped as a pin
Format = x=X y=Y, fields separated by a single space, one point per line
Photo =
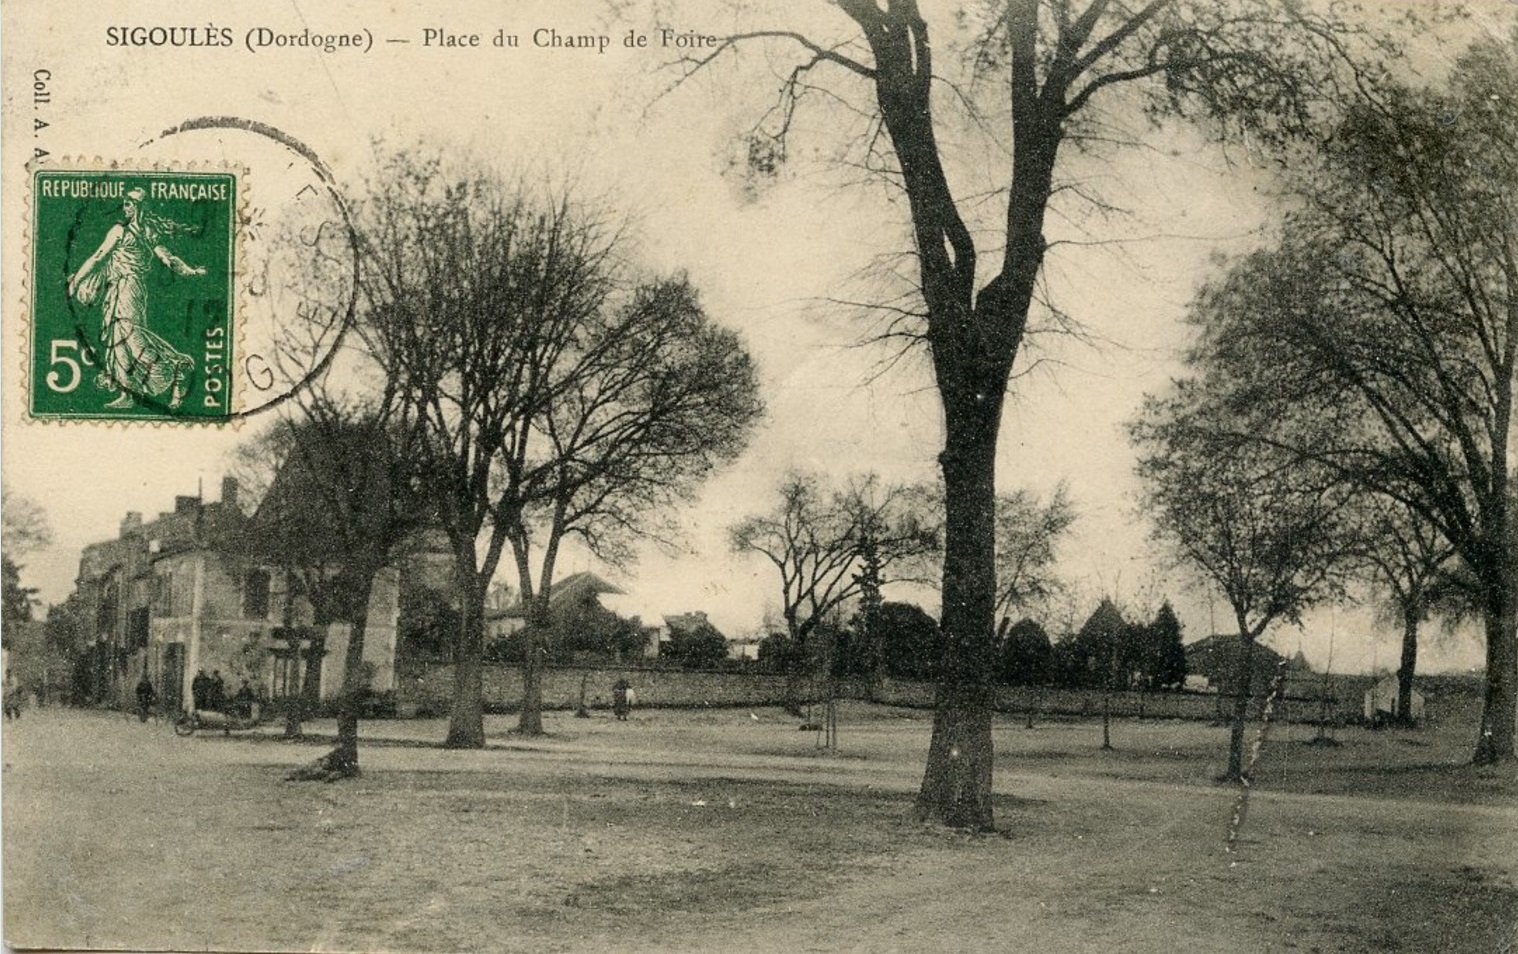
x=255 y=594
x=163 y=594
x=105 y=610
x=137 y=628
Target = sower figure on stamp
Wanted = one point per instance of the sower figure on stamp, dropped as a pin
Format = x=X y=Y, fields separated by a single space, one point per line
x=133 y=360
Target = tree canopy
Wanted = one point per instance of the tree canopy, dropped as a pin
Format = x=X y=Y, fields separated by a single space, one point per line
x=1375 y=340
x=1268 y=533
x=561 y=392
x=1025 y=79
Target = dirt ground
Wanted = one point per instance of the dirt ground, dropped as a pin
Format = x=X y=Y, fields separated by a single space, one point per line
x=728 y=830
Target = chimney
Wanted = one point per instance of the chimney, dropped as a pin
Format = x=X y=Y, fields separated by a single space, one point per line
x=131 y=523
x=229 y=491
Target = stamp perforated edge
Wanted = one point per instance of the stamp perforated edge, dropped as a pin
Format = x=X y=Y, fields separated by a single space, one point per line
x=239 y=283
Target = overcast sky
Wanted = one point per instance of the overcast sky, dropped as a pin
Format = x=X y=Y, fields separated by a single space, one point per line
x=767 y=263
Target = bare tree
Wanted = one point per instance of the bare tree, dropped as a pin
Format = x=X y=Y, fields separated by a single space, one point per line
x=830 y=547
x=557 y=394
x=652 y=398
x=470 y=293
x=1036 y=75
x=818 y=540
x=1027 y=534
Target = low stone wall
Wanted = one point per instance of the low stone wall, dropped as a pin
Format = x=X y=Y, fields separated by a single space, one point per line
x=426 y=689
x=1202 y=706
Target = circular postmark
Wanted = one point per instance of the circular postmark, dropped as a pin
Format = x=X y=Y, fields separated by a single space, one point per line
x=297 y=261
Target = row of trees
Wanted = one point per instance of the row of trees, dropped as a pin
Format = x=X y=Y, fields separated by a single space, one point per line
x=1025 y=84
x=1375 y=345
x=1350 y=410
x=833 y=546
x=526 y=384
x=579 y=630
x=1107 y=652
x=905 y=642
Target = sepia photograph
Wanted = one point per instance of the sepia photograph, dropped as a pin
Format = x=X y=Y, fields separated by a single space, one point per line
x=759 y=476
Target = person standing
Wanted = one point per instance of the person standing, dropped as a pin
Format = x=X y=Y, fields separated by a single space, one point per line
x=621 y=699
x=200 y=690
x=217 y=701
x=147 y=696
x=12 y=693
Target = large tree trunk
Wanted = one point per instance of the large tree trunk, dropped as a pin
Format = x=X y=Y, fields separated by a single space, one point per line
x=311 y=683
x=530 y=720
x=293 y=703
x=1500 y=708
x=466 y=722
x=342 y=761
x=956 y=786
x=1409 y=663
x=798 y=673
x=973 y=340
x=539 y=618
x=1107 y=718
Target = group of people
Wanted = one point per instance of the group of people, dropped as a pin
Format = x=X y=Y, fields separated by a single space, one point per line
x=207 y=693
x=210 y=693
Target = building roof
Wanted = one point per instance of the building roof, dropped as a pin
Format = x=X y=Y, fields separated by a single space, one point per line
x=1216 y=657
x=193 y=524
x=684 y=623
x=574 y=588
x=582 y=584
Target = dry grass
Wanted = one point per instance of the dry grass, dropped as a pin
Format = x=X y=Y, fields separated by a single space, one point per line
x=713 y=831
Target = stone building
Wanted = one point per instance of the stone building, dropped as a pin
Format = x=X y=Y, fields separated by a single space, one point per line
x=176 y=595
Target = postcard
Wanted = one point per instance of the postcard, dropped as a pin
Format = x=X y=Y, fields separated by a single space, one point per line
x=834 y=475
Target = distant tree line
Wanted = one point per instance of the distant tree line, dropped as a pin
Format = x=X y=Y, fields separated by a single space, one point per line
x=1107 y=652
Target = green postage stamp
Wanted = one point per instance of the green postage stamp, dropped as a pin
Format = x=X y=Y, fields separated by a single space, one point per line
x=132 y=291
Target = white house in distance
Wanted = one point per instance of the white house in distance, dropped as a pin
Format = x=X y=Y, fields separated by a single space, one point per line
x=1381 y=701
x=585 y=587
